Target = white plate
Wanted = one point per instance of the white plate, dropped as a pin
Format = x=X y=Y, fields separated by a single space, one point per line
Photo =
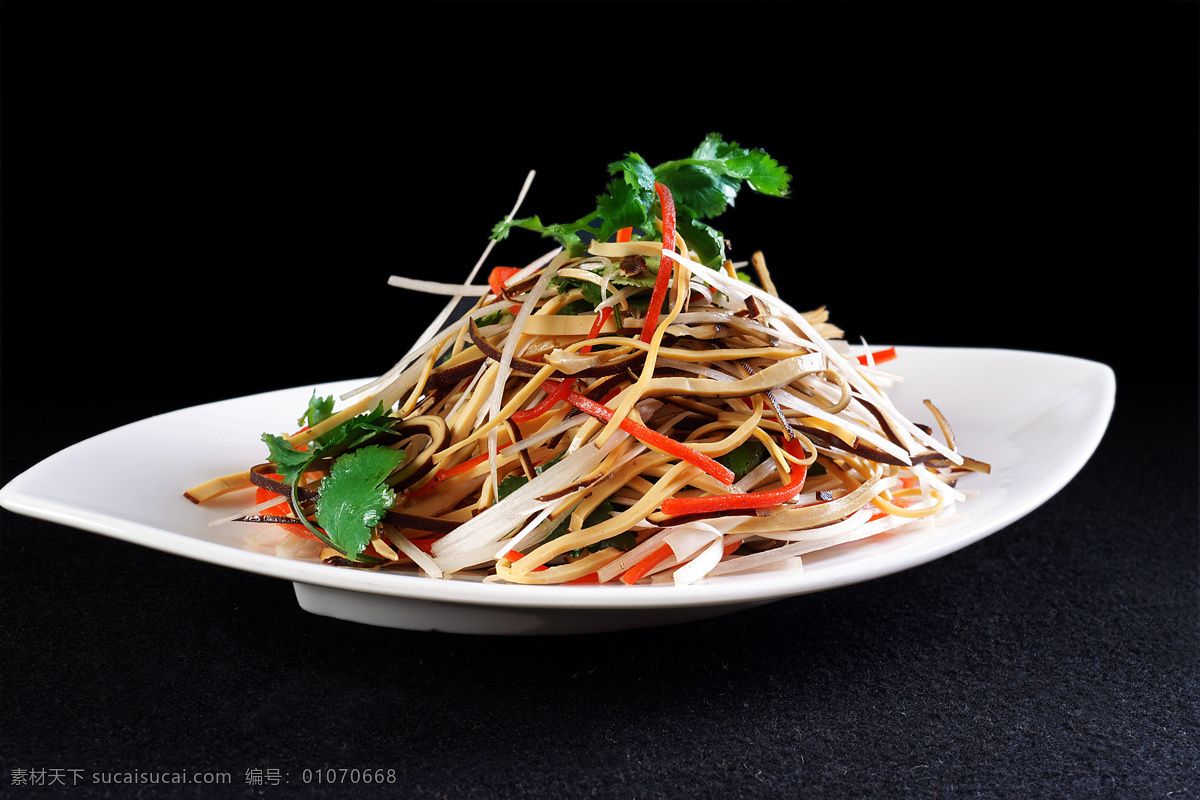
x=1036 y=418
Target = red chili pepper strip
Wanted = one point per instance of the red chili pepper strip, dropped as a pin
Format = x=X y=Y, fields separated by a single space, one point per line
x=496 y=279
x=605 y=400
x=284 y=508
x=594 y=333
x=442 y=474
x=517 y=555
x=427 y=487
x=498 y=276
x=667 y=203
x=880 y=357
x=551 y=400
x=639 y=570
x=625 y=234
x=653 y=438
x=678 y=506
x=656 y=557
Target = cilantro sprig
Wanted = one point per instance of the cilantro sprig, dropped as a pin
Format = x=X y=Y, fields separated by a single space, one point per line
x=291 y=462
x=703 y=186
x=354 y=496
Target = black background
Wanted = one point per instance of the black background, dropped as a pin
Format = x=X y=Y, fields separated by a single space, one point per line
x=205 y=200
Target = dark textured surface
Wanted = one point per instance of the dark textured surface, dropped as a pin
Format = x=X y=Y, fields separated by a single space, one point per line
x=1057 y=657
x=228 y=159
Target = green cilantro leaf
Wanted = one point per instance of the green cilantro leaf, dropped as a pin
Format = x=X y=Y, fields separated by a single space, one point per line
x=646 y=280
x=761 y=172
x=509 y=484
x=641 y=302
x=354 y=496
x=495 y=318
x=711 y=178
x=698 y=187
x=319 y=409
x=714 y=147
x=623 y=207
x=576 y=307
x=289 y=462
x=566 y=235
x=706 y=241
x=590 y=291
x=637 y=173
x=625 y=540
x=703 y=186
x=354 y=429
x=745 y=457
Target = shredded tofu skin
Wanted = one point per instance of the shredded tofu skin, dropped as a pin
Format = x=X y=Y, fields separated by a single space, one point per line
x=546 y=438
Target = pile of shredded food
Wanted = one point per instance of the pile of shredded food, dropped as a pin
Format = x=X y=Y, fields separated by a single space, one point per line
x=633 y=407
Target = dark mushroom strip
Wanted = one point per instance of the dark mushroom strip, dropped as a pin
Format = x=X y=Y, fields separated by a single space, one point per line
x=941 y=462
x=603 y=386
x=419 y=523
x=269 y=519
x=490 y=351
x=884 y=423
x=864 y=450
x=569 y=490
x=332 y=558
x=515 y=291
x=663 y=521
x=632 y=265
x=258 y=476
x=514 y=435
x=449 y=376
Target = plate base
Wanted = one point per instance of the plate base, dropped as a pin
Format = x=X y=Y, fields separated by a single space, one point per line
x=414 y=614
